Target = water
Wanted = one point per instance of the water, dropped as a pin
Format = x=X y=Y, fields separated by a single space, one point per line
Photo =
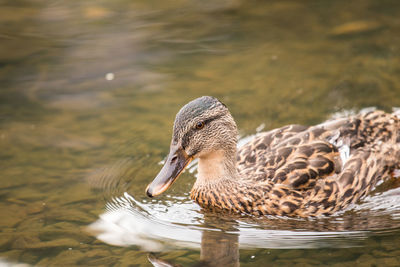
x=88 y=95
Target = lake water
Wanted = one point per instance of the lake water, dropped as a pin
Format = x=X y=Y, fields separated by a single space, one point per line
x=89 y=92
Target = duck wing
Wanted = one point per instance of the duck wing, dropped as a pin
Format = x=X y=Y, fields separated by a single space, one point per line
x=298 y=166
x=290 y=153
x=315 y=152
x=326 y=167
x=251 y=156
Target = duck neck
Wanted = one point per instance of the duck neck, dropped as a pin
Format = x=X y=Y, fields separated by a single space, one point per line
x=218 y=185
x=217 y=166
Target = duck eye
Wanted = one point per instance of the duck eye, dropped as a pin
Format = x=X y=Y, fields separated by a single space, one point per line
x=199 y=125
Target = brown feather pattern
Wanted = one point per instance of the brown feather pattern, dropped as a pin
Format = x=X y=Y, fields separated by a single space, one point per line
x=294 y=170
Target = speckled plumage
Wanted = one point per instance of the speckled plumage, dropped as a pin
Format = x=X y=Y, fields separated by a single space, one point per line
x=294 y=170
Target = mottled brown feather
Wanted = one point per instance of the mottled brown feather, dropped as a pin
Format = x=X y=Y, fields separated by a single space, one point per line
x=294 y=170
x=300 y=173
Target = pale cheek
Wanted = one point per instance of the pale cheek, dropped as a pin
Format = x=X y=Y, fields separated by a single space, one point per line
x=195 y=149
x=201 y=154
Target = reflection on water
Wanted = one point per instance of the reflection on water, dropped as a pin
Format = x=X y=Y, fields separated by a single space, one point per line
x=155 y=227
x=128 y=222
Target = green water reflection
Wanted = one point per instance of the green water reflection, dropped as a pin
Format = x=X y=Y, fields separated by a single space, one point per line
x=70 y=139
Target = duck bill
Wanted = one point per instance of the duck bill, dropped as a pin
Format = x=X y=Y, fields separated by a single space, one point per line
x=174 y=165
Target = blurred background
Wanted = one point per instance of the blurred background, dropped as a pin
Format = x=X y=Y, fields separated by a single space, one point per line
x=89 y=91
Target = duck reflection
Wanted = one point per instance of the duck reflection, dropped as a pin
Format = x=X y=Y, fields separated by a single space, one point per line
x=219 y=247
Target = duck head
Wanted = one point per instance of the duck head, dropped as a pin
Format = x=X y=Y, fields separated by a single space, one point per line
x=202 y=128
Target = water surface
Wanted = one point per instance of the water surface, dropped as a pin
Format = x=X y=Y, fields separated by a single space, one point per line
x=88 y=95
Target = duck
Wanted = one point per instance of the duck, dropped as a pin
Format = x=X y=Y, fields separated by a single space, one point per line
x=295 y=170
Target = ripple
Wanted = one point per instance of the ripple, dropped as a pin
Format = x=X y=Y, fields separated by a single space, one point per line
x=179 y=223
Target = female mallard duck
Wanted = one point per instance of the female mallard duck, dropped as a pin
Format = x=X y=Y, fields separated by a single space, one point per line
x=293 y=170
